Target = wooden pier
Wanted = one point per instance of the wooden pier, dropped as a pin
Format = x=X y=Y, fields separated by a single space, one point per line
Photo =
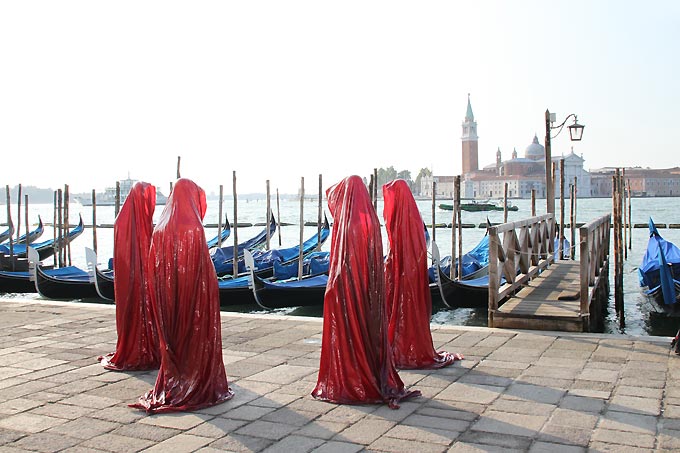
x=529 y=289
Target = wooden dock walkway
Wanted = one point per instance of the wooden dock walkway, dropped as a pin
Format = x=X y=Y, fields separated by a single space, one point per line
x=539 y=292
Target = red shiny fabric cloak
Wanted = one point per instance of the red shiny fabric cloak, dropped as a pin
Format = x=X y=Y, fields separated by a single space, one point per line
x=185 y=306
x=137 y=346
x=356 y=364
x=409 y=303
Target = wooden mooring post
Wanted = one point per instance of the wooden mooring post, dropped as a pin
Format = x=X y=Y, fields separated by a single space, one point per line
x=618 y=256
x=235 y=228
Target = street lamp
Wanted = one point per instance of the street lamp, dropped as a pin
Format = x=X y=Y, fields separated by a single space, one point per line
x=575 y=133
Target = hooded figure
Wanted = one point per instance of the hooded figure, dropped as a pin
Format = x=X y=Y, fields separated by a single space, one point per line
x=185 y=305
x=409 y=303
x=137 y=346
x=356 y=364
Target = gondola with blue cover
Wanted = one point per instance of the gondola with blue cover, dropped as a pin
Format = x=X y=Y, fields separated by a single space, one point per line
x=659 y=273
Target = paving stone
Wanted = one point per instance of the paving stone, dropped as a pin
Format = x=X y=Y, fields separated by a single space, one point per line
x=47 y=442
x=423 y=434
x=147 y=432
x=603 y=447
x=175 y=420
x=546 y=447
x=116 y=443
x=181 y=443
x=633 y=439
x=283 y=374
x=294 y=443
x=17 y=405
x=30 y=423
x=365 y=431
x=628 y=422
x=240 y=443
x=84 y=427
x=635 y=404
x=323 y=429
x=90 y=401
x=569 y=435
x=473 y=393
x=266 y=430
x=338 y=447
x=406 y=446
x=467 y=447
x=9 y=435
x=530 y=392
x=511 y=424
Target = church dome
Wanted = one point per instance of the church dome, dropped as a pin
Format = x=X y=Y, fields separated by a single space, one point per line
x=535 y=151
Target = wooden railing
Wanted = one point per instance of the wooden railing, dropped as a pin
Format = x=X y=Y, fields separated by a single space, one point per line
x=527 y=247
x=594 y=256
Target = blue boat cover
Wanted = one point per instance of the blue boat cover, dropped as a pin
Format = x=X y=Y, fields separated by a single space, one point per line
x=659 y=264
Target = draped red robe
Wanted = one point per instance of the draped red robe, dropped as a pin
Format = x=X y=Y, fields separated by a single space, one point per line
x=137 y=345
x=185 y=306
x=409 y=303
x=356 y=365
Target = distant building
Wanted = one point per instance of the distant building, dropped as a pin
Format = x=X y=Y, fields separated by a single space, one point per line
x=644 y=182
x=522 y=174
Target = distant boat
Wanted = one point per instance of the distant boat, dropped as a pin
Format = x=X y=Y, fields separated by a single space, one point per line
x=476 y=206
x=108 y=197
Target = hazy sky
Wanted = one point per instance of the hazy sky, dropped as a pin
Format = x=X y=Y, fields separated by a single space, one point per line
x=91 y=91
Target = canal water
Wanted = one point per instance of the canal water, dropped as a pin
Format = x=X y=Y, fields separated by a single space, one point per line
x=639 y=319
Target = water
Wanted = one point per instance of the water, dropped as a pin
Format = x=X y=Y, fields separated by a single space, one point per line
x=639 y=320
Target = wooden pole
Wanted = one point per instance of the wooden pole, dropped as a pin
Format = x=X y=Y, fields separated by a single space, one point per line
x=630 y=223
x=235 y=226
x=302 y=225
x=505 y=203
x=269 y=216
x=454 y=227
x=67 y=199
x=60 y=240
x=19 y=214
x=434 y=200
x=219 y=217
x=456 y=181
x=320 y=212
x=28 y=237
x=375 y=189
x=560 y=251
x=572 y=219
x=278 y=215
x=94 y=221
x=116 y=209
x=533 y=202
x=371 y=183
x=55 y=246
x=179 y=158
x=10 y=226
x=622 y=183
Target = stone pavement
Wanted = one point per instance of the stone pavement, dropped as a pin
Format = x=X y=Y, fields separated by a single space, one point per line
x=515 y=391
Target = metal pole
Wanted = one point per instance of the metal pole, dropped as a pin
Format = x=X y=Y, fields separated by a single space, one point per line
x=549 y=189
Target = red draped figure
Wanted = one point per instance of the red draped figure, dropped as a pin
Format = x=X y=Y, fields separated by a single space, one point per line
x=185 y=306
x=356 y=365
x=409 y=303
x=137 y=346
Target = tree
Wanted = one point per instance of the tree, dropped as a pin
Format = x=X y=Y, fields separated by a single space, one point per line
x=421 y=173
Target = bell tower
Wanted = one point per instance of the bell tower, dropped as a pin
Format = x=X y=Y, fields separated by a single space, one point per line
x=470 y=139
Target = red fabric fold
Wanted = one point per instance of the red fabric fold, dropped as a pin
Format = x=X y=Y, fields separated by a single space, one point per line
x=409 y=303
x=137 y=346
x=356 y=364
x=185 y=306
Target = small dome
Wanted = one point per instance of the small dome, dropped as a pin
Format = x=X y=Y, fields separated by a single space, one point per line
x=535 y=151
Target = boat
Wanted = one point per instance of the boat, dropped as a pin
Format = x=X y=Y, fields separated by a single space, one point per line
x=274 y=264
x=223 y=257
x=226 y=231
x=102 y=280
x=295 y=292
x=476 y=206
x=32 y=235
x=45 y=249
x=6 y=234
x=108 y=197
x=660 y=264
x=74 y=285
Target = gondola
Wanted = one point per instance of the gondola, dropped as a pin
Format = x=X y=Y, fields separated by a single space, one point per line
x=45 y=249
x=21 y=282
x=32 y=235
x=657 y=273
x=6 y=234
x=226 y=231
x=75 y=285
x=305 y=292
x=473 y=293
x=223 y=257
x=102 y=280
x=237 y=291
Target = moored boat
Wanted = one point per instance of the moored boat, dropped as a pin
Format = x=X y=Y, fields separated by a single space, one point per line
x=659 y=273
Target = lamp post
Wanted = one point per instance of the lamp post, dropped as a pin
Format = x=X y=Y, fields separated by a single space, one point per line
x=575 y=133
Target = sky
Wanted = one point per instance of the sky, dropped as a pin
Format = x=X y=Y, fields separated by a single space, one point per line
x=278 y=91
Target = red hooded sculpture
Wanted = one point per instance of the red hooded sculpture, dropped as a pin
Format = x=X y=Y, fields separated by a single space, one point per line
x=409 y=303
x=356 y=365
x=185 y=306
x=137 y=346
